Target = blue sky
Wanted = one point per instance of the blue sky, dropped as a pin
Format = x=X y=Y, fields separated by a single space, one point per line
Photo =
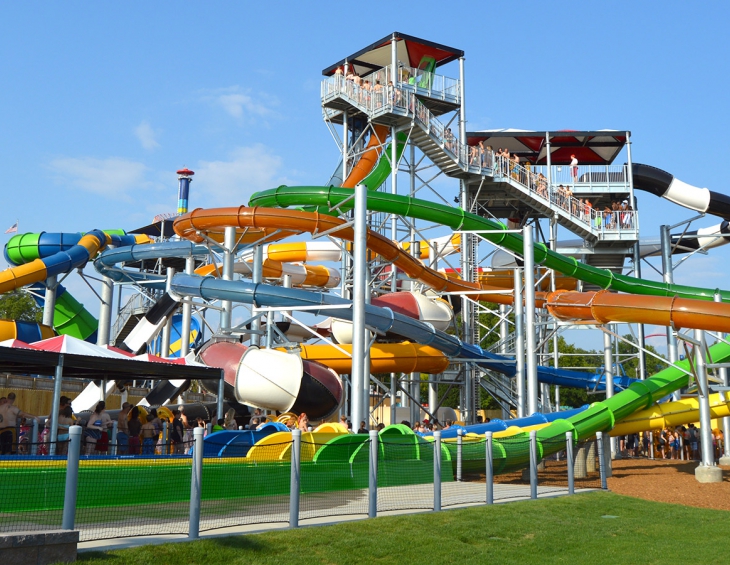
x=101 y=103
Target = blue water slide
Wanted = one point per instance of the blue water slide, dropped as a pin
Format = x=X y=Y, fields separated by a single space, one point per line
x=237 y=443
x=383 y=320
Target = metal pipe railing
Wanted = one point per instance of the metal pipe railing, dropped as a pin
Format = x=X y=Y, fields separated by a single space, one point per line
x=482 y=160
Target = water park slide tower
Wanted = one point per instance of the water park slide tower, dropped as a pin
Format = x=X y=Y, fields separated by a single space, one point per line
x=184 y=177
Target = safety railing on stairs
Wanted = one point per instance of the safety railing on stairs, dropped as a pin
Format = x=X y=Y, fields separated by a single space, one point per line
x=136 y=302
x=482 y=160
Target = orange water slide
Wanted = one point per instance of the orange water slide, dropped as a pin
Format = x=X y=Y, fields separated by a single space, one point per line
x=306 y=275
x=403 y=357
x=600 y=307
x=369 y=158
x=604 y=307
x=190 y=225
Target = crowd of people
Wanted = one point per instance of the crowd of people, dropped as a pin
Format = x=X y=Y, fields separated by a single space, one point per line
x=618 y=216
x=366 y=91
x=680 y=442
x=142 y=433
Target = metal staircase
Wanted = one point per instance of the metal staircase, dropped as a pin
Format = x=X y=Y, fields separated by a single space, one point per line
x=404 y=109
x=135 y=308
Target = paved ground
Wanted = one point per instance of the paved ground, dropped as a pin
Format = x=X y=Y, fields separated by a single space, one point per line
x=353 y=506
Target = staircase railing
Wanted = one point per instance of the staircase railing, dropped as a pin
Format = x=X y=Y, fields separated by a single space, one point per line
x=483 y=161
x=135 y=303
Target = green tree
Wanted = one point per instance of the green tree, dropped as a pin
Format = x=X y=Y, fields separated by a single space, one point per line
x=575 y=358
x=19 y=305
x=631 y=365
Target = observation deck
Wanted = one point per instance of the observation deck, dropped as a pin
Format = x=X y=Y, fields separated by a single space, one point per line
x=504 y=188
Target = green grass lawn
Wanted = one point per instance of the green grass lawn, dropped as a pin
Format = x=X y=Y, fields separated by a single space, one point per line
x=594 y=528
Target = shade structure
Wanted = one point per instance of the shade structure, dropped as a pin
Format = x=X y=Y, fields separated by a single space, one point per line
x=155 y=359
x=16 y=343
x=410 y=50
x=118 y=350
x=598 y=147
x=68 y=344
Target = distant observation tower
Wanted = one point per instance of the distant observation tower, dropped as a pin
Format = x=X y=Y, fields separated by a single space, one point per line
x=185 y=177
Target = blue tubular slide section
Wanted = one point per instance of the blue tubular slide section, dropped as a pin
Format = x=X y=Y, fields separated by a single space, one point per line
x=60 y=253
x=105 y=263
x=498 y=425
x=382 y=319
x=237 y=443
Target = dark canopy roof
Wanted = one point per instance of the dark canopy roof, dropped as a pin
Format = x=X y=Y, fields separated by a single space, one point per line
x=161 y=226
x=34 y=362
x=590 y=147
x=410 y=51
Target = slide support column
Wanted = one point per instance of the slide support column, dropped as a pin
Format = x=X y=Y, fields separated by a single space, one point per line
x=608 y=373
x=530 y=345
x=167 y=328
x=229 y=245
x=105 y=311
x=519 y=344
x=668 y=270
x=706 y=472
x=49 y=301
x=187 y=312
x=359 y=335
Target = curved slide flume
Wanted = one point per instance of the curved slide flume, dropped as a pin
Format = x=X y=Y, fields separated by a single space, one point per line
x=383 y=320
x=38 y=256
x=458 y=219
x=663 y=184
x=27 y=332
x=369 y=158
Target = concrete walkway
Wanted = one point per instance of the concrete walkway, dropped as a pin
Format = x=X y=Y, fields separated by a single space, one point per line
x=420 y=499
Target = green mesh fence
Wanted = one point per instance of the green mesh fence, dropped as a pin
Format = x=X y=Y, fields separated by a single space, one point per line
x=140 y=496
x=335 y=481
x=552 y=477
x=405 y=472
x=237 y=491
x=121 y=497
x=32 y=491
x=472 y=488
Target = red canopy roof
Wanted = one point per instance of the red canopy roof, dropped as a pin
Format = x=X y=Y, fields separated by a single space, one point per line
x=590 y=147
x=410 y=51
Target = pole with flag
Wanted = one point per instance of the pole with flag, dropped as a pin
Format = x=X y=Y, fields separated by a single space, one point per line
x=13 y=228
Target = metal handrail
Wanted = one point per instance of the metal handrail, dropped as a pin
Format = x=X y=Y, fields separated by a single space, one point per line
x=483 y=161
x=136 y=302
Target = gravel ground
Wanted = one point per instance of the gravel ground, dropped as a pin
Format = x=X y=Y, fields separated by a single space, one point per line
x=669 y=481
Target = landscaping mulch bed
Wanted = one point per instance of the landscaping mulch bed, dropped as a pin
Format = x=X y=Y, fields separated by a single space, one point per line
x=666 y=480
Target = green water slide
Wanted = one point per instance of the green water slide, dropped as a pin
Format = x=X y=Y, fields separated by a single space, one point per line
x=382 y=170
x=601 y=416
x=496 y=232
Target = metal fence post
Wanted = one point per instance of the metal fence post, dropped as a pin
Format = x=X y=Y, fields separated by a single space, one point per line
x=681 y=446
x=459 y=447
x=165 y=436
x=196 y=483
x=533 y=465
x=34 y=439
x=601 y=460
x=436 y=471
x=373 y=475
x=490 y=467
x=296 y=478
x=115 y=430
x=72 y=478
x=569 y=457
